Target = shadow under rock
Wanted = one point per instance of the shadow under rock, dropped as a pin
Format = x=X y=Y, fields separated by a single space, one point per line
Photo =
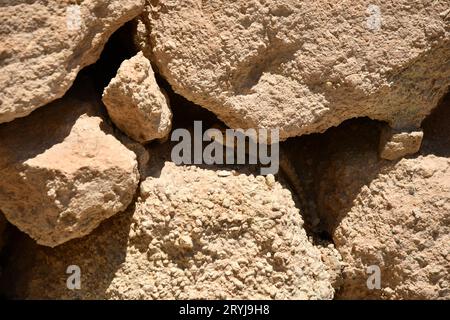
x=37 y=272
x=436 y=129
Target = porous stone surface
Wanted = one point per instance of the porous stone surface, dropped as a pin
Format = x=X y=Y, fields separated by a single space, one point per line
x=61 y=172
x=46 y=43
x=395 y=145
x=302 y=66
x=392 y=215
x=193 y=233
x=135 y=102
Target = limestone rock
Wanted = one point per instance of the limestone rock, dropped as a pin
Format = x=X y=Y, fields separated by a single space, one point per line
x=395 y=145
x=302 y=66
x=395 y=216
x=62 y=174
x=136 y=104
x=46 y=43
x=181 y=241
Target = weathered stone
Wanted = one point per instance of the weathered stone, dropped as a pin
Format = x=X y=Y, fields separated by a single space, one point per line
x=181 y=242
x=396 y=145
x=62 y=174
x=395 y=216
x=135 y=102
x=46 y=43
x=302 y=66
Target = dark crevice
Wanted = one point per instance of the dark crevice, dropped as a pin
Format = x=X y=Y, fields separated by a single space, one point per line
x=311 y=155
x=436 y=129
x=184 y=111
x=120 y=47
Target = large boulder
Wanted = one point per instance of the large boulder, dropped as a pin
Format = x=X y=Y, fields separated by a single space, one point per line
x=302 y=66
x=46 y=43
x=391 y=216
x=61 y=172
x=194 y=233
x=135 y=102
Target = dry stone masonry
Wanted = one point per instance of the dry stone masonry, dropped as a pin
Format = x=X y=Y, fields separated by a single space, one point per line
x=360 y=208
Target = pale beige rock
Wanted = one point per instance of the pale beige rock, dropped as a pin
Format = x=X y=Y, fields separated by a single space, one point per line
x=62 y=173
x=392 y=215
x=46 y=43
x=182 y=242
x=135 y=102
x=302 y=66
x=395 y=145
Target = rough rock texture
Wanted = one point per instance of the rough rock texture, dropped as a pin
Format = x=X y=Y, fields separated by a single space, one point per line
x=392 y=215
x=395 y=145
x=46 y=43
x=299 y=65
x=135 y=102
x=61 y=172
x=194 y=233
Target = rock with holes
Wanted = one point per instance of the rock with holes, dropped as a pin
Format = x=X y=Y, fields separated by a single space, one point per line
x=395 y=145
x=393 y=218
x=193 y=234
x=302 y=66
x=62 y=173
x=135 y=102
x=46 y=43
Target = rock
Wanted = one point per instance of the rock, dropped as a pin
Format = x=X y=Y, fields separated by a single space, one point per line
x=175 y=245
x=392 y=216
x=300 y=66
x=395 y=145
x=46 y=43
x=135 y=102
x=62 y=173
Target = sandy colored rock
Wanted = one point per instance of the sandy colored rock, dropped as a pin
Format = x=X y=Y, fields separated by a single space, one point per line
x=181 y=241
x=62 y=173
x=46 y=43
x=302 y=66
x=392 y=215
x=135 y=102
x=395 y=145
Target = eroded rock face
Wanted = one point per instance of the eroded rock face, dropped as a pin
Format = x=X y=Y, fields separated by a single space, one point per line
x=395 y=216
x=302 y=66
x=135 y=102
x=46 y=43
x=194 y=233
x=62 y=173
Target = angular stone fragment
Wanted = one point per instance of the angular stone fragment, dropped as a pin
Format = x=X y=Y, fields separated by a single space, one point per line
x=62 y=173
x=302 y=66
x=135 y=102
x=395 y=145
x=180 y=241
x=395 y=217
x=46 y=43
